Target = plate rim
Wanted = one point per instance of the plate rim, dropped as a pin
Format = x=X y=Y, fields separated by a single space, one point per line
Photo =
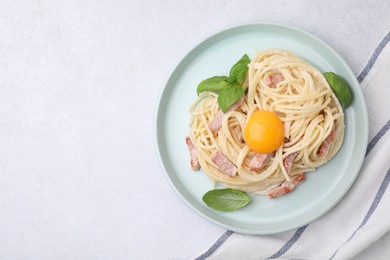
x=160 y=102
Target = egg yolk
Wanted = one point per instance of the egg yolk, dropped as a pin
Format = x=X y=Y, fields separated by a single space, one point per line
x=264 y=132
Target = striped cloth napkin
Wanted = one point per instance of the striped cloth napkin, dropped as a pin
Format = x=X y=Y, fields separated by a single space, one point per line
x=361 y=217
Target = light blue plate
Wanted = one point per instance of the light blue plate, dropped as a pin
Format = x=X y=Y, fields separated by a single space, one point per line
x=214 y=56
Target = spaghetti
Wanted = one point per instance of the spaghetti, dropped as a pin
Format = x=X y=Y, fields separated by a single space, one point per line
x=286 y=85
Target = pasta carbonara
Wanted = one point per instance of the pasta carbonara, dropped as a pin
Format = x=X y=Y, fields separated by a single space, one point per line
x=297 y=93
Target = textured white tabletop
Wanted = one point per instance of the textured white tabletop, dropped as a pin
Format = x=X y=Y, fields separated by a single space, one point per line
x=79 y=85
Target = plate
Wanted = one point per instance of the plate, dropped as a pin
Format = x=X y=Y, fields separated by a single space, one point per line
x=322 y=189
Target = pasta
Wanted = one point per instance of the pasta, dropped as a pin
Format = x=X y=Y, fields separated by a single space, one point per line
x=285 y=84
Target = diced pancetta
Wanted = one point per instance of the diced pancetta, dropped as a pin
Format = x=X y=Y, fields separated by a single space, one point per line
x=271 y=80
x=259 y=161
x=193 y=154
x=326 y=144
x=285 y=187
x=224 y=163
x=216 y=123
x=288 y=161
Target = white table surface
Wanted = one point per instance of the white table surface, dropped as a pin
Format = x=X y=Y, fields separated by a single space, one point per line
x=79 y=85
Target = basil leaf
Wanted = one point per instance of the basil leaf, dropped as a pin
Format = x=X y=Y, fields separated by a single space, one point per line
x=340 y=88
x=239 y=70
x=214 y=84
x=228 y=96
x=226 y=199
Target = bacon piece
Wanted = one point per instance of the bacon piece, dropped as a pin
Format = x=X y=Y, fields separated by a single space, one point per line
x=285 y=187
x=280 y=190
x=326 y=144
x=273 y=79
x=298 y=178
x=259 y=161
x=224 y=163
x=193 y=154
x=276 y=78
x=288 y=161
x=216 y=124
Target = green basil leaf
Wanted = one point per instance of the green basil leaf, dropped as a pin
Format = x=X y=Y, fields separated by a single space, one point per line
x=214 y=84
x=228 y=96
x=226 y=199
x=239 y=70
x=340 y=88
